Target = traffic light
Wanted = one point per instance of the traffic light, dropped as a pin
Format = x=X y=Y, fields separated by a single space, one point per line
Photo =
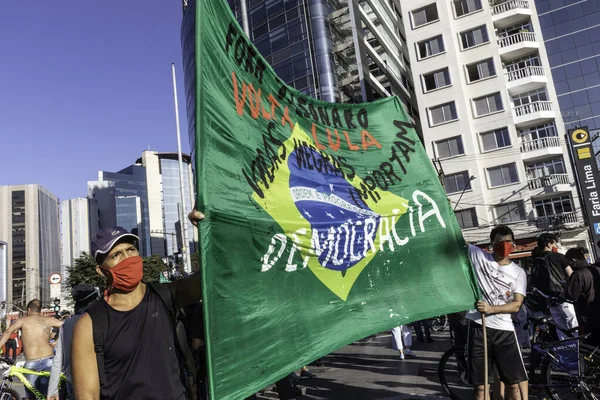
x=3 y=305
x=56 y=306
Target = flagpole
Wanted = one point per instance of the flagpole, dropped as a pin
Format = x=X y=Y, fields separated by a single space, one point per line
x=486 y=383
x=182 y=214
x=244 y=10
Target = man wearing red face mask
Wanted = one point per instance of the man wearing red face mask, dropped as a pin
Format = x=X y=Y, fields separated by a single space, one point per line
x=139 y=356
x=503 y=287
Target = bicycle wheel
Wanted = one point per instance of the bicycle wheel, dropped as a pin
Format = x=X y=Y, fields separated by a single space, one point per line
x=440 y=323
x=562 y=386
x=10 y=394
x=452 y=371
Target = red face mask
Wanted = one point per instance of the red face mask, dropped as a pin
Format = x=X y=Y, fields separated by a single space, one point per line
x=127 y=274
x=503 y=249
x=555 y=249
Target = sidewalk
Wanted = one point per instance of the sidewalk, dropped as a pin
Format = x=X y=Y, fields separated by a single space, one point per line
x=370 y=369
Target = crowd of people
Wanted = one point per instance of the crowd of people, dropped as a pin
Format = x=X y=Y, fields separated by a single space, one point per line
x=120 y=344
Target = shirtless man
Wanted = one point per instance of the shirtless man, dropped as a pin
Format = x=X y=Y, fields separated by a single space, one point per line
x=35 y=331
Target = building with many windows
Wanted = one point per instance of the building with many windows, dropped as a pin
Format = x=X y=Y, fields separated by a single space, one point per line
x=145 y=199
x=3 y=273
x=75 y=230
x=29 y=224
x=572 y=39
x=336 y=51
x=491 y=118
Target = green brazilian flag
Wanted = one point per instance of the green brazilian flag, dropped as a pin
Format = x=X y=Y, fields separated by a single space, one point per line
x=325 y=223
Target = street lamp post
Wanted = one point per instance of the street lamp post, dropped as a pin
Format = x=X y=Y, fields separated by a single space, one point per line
x=471 y=178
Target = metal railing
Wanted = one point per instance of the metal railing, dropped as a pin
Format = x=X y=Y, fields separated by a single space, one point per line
x=541 y=143
x=516 y=38
x=509 y=5
x=556 y=220
x=530 y=108
x=549 y=180
x=524 y=73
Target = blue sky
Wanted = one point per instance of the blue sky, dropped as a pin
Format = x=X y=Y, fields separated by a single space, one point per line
x=86 y=86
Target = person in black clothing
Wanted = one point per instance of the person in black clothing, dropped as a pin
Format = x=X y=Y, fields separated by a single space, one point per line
x=546 y=255
x=582 y=288
x=139 y=361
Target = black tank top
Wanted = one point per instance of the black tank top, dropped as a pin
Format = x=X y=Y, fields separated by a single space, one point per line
x=139 y=353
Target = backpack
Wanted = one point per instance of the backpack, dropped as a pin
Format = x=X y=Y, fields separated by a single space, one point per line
x=187 y=367
x=546 y=277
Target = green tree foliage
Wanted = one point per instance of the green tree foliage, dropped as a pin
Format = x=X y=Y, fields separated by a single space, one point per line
x=153 y=266
x=195 y=261
x=83 y=271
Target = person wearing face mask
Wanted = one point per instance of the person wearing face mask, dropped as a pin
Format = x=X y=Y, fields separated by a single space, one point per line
x=138 y=347
x=503 y=287
x=550 y=274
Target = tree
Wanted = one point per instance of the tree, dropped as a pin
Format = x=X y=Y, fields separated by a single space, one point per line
x=196 y=261
x=153 y=266
x=83 y=271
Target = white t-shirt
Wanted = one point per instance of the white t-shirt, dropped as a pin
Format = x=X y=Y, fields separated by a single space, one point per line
x=498 y=284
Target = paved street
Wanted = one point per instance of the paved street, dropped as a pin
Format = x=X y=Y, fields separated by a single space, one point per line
x=370 y=369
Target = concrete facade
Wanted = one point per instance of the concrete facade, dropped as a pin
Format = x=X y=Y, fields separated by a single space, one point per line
x=29 y=224
x=490 y=112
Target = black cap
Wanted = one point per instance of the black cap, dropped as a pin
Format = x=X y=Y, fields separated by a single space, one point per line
x=105 y=240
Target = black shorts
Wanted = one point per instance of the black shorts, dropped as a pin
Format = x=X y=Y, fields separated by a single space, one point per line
x=503 y=353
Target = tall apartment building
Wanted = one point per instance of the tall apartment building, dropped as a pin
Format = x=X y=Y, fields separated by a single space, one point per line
x=337 y=51
x=145 y=199
x=75 y=230
x=3 y=272
x=29 y=224
x=572 y=40
x=491 y=118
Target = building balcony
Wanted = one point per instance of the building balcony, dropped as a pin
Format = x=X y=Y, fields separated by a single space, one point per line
x=518 y=44
x=510 y=12
x=550 y=184
x=556 y=221
x=533 y=150
x=533 y=113
x=526 y=79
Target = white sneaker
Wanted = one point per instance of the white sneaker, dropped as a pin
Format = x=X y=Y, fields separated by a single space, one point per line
x=408 y=353
x=402 y=356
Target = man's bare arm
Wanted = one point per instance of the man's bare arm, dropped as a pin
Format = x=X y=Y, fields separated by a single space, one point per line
x=55 y=323
x=83 y=361
x=10 y=330
x=508 y=308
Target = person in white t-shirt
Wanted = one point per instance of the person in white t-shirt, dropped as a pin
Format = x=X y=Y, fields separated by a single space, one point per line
x=503 y=288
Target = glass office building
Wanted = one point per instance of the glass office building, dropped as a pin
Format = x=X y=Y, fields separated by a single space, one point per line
x=571 y=31
x=128 y=185
x=326 y=49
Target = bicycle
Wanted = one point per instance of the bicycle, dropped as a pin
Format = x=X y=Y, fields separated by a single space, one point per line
x=568 y=368
x=439 y=323
x=13 y=370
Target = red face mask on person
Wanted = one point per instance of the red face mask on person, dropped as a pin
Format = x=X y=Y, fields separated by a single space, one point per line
x=503 y=249
x=555 y=249
x=127 y=274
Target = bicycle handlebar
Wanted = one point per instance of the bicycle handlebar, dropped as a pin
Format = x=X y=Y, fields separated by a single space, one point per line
x=9 y=361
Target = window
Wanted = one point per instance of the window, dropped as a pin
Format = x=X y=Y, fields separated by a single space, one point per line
x=450 y=147
x=424 y=15
x=546 y=168
x=474 y=37
x=538 y=132
x=431 y=47
x=529 y=61
x=553 y=206
x=464 y=7
x=442 y=113
x=488 y=104
x=495 y=139
x=456 y=183
x=530 y=97
x=466 y=218
x=511 y=212
x=503 y=175
x=436 y=80
x=519 y=28
x=481 y=70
